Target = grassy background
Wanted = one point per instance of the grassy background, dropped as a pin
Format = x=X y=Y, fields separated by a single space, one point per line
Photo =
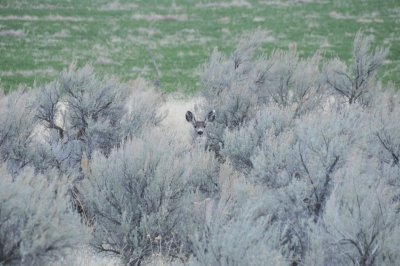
x=40 y=38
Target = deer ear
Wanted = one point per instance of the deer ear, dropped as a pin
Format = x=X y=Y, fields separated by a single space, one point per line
x=189 y=116
x=211 y=116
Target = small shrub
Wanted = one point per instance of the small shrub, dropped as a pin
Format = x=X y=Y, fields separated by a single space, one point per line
x=16 y=130
x=357 y=82
x=37 y=223
x=360 y=221
x=240 y=212
x=84 y=114
x=386 y=131
x=241 y=145
x=142 y=109
x=83 y=109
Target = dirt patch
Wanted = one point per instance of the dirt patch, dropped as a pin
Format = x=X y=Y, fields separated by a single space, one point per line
x=29 y=73
x=46 y=18
x=372 y=17
x=175 y=122
x=102 y=60
x=62 y=34
x=292 y=2
x=13 y=33
x=157 y=17
x=231 y=4
x=184 y=37
x=118 y=6
x=85 y=256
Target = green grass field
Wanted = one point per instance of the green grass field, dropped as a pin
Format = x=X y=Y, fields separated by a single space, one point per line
x=40 y=38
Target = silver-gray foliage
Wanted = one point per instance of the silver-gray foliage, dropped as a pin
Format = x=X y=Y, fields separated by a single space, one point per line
x=360 y=225
x=235 y=228
x=136 y=196
x=37 y=223
x=309 y=175
x=55 y=130
x=283 y=129
x=85 y=114
x=357 y=82
x=57 y=125
x=16 y=130
x=243 y=88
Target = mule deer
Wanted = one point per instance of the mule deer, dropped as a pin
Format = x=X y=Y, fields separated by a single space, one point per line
x=200 y=126
x=202 y=135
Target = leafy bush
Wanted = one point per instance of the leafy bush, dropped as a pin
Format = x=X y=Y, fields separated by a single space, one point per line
x=37 y=223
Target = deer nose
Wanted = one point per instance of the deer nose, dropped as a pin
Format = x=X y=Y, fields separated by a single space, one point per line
x=200 y=132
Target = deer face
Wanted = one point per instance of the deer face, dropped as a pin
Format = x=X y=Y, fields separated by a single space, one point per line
x=200 y=125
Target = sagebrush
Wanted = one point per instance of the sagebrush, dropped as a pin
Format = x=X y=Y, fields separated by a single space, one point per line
x=301 y=168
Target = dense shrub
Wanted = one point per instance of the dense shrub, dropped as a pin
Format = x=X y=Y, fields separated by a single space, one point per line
x=66 y=120
x=357 y=82
x=56 y=129
x=361 y=220
x=136 y=195
x=387 y=132
x=309 y=175
x=16 y=130
x=240 y=85
x=86 y=114
x=286 y=127
x=235 y=228
x=37 y=223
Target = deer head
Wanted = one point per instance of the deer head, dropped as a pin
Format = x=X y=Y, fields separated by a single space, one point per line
x=200 y=125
